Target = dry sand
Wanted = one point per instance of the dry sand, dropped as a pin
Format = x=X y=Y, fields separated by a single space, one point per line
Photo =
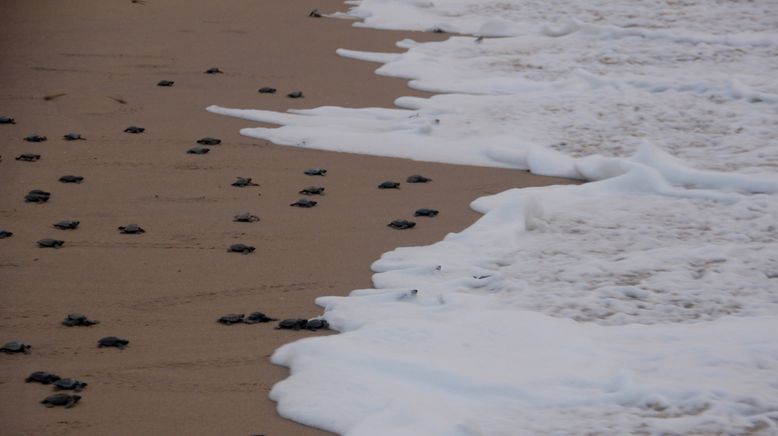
x=183 y=373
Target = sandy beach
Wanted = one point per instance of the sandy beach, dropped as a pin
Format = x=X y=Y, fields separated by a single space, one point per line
x=163 y=290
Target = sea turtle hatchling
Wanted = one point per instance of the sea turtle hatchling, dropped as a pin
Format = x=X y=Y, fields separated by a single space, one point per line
x=242 y=182
x=426 y=212
x=245 y=217
x=50 y=243
x=389 y=185
x=315 y=172
x=267 y=90
x=416 y=178
x=77 y=319
x=28 y=157
x=165 y=83
x=401 y=224
x=312 y=190
x=198 y=150
x=258 y=317
x=209 y=141
x=71 y=179
x=37 y=196
x=317 y=324
x=69 y=384
x=295 y=94
x=61 y=400
x=67 y=224
x=7 y=120
x=73 y=136
x=315 y=14
x=241 y=248
x=42 y=377
x=131 y=229
x=5 y=234
x=292 y=324
x=304 y=202
x=231 y=318
x=213 y=70
x=15 y=347
x=112 y=341
x=134 y=129
x=35 y=138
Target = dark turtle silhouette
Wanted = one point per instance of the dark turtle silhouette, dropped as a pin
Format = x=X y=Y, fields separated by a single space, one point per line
x=258 y=317
x=50 y=243
x=241 y=248
x=267 y=90
x=134 y=129
x=112 y=341
x=7 y=120
x=28 y=157
x=315 y=171
x=242 y=182
x=61 y=400
x=295 y=94
x=209 y=141
x=42 y=377
x=401 y=224
x=304 y=202
x=389 y=185
x=425 y=212
x=317 y=324
x=315 y=14
x=71 y=179
x=213 y=70
x=165 y=83
x=15 y=347
x=5 y=234
x=73 y=136
x=77 y=319
x=198 y=150
x=35 y=138
x=292 y=324
x=37 y=196
x=312 y=190
x=69 y=384
x=416 y=178
x=231 y=318
x=245 y=217
x=67 y=224
x=131 y=229
x=438 y=30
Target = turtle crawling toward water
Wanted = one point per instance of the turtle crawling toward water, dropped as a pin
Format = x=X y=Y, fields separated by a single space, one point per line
x=73 y=137
x=258 y=317
x=267 y=90
x=315 y=14
x=65 y=400
x=317 y=324
x=37 y=196
x=35 y=138
x=28 y=157
x=15 y=347
x=231 y=318
x=241 y=248
x=42 y=377
x=112 y=341
x=242 y=182
x=209 y=141
x=426 y=212
x=67 y=224
x=312 y=190
x=165 y=83
x=315 y=172
x=7 y=120
x=50 y=243
x=77 y=319
x=69 y=384
x=131 y=229
x=295 y=94
x=5 y=234
x=389 y=185
x=416 y=178
x=245 y=217
x=402 y=224
x=304 y=202
x=134 y=129
x=213 y=70
x=292 y=324
x=71 y=179
x=198 y=150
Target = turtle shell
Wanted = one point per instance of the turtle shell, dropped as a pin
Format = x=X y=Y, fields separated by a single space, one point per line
x=5 y=234
x=213 y=70
x=42 y=377
x=71 y=179
x=165 y=83
x=131 y=229
x=267 y=90
x=35 y=138
x=28 y=157
x=231 y=318
x=295 y=94
x=304 y=202
x=61 y=400
x=134 y=129
x=112 y=341
x=50 y=243
x=426 y=212
x=198 y=150
x=241 y=248
x=15 y=347
x=67 y=224
x=7 y=120
x=402 y=224
x=70 y=384
x=389 y=185
x=416 y=178
x=312 y=190
x=72 y=136
x=315 y=171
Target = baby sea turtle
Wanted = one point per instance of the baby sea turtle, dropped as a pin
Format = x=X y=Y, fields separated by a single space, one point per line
x=73 y=136
x=69 y=384
x=35 y=138
x=241 y=248
x=7 y=120
x=213 y=70
x=15 y=347
x=5 y=234
x=112 y=341
x=295 y=94
x=438 y=30
x=245 y=217
x=416 y=178
x=131 y=229
x=71 y=179
x=67 y=224
x=315 y=171
x=267 y=90
x=389 y=185
x=258 y=317
x=401 y=224
x=42 y=377
x=77 y=319
x=317 y=324
x=28 y=157
x=231 y=318
x=61 y=400
x=304 y=202
x=425 y=212
x=165 y=83
x=198 y=150
x=37 y=196
x=242 y=182
x=134 y=129
x=209 y=141
x=315 y=14
x=50 y=243
x=312 y=190
x=292 y=324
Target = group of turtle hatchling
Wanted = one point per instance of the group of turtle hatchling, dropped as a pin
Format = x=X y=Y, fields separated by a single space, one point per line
x=239 y=318
x=59 y=399
x=406 y=224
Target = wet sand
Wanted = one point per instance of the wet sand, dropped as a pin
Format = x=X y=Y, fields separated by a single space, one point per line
x=183 y=373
